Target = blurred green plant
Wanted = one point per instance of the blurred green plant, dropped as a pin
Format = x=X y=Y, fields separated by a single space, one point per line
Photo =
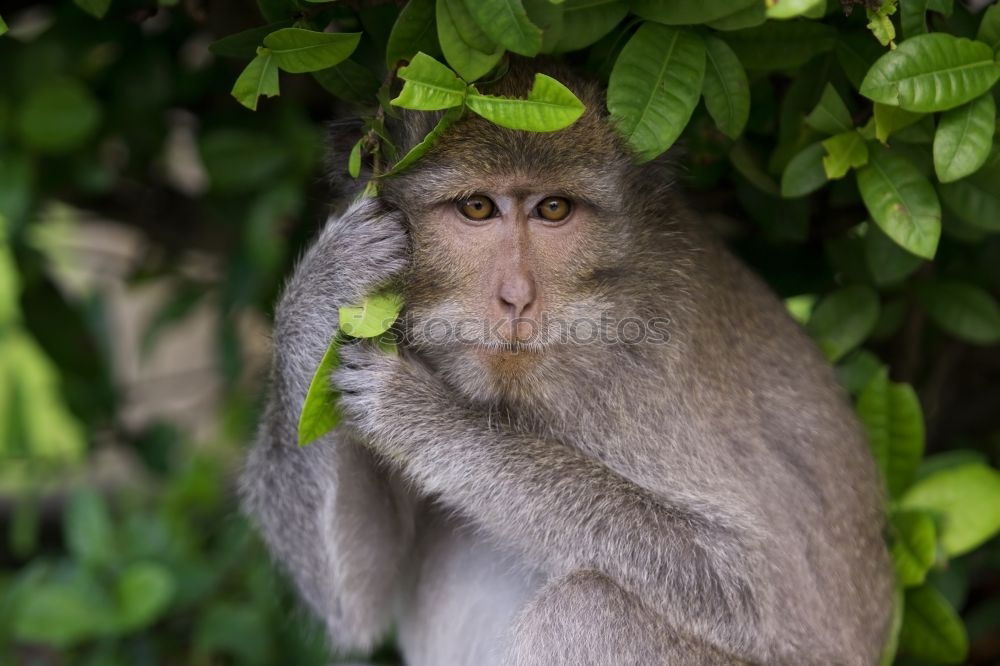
x=172 y=578
x=850 y=144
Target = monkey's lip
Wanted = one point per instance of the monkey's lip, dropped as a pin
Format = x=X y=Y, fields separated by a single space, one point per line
x=507 y=348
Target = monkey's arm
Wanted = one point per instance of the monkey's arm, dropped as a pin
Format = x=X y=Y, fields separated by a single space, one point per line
x=328 y=513
x=565 y=511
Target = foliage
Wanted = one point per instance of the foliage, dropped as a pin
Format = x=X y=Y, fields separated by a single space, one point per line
x=170 y=578
x=374 y=317
x=850 y=144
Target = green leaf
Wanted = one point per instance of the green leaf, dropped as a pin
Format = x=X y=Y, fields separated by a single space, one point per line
x=844 y=152
x=949 y=459
x=888 y=119
x=58 y=116
x=96 y=8
x=748 y=17
x=786 y=9
x=856 y=52
x=943 y=7
x=901 y=201
x=726 y=89
x=745 y=161
x=964 y=138
x=506 y=23
x=965 y=310
x=429 y=86
x=975 y=199
x=296 y=50
x=320 y=413
x=688 y=13
x=549 y=19
x=470 y=52
x=800 y=307
x=373 y=317
x=804 y=173
x=354 y=160
x=244 y=44
x=550 y=106
x=10 y=283
x=62 y=613
x=931 y=628
x=965 y=499
x=880 y=24
x=989 y=28
x=843 y=320
x=913 y=545
x=418 y=151
x=3 y=26
x=33 y=408
x=887 y=262
x=913 y=18
x=894 y=423
x=831 y=115
x=857 y=369
x=655 y=86
x=144 y=591
x=781 y=44
x=891 y=646
x=88 y=530
x=585 y=21
x=260 y=77
x=349 y=81
x=934 y=72
x=414 y=31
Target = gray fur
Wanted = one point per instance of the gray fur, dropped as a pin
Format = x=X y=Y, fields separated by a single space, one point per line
x=708 y=501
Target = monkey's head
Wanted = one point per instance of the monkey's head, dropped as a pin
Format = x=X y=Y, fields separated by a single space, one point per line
x=526 y=244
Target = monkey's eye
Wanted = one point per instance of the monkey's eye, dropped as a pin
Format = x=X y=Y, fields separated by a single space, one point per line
x=477 y=207
x=554 y=209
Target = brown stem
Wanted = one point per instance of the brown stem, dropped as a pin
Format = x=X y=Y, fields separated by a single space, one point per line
x=372 y=139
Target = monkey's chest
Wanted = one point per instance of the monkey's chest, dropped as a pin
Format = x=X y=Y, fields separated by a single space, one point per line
x=464 y=594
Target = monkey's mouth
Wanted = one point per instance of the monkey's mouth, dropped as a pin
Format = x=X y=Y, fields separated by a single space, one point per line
x=508 y=348
x=512 y=346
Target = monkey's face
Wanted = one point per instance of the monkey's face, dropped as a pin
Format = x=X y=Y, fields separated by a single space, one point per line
x=512 y=272
x=500 y=264
x=521 y=242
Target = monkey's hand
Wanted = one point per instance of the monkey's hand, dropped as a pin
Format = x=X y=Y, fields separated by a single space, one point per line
x=696 y=566
x=375 y=386
x=354 y=254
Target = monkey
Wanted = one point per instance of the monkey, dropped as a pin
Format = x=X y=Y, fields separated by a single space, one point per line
x=547 y=489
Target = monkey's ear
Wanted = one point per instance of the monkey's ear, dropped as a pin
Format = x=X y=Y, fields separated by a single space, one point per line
x=341 y=135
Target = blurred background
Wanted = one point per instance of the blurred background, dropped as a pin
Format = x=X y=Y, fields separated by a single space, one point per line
x=146 y=222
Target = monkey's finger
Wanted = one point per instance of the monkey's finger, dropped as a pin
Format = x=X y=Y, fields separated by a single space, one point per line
x=357 y=354
x=349 y=381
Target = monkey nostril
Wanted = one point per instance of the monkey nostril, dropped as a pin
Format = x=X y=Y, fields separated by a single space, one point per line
x=517 y=294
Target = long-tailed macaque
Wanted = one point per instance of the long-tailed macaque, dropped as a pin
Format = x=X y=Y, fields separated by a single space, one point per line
x=603 y=440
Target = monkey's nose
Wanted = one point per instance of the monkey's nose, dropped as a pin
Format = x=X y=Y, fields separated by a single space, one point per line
x=517 y=295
